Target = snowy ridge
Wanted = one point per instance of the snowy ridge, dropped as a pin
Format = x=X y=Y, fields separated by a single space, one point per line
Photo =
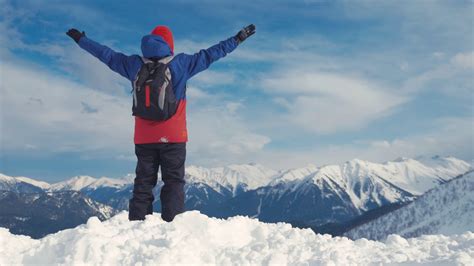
x=413 y=176
x=232 y=177
x=7 y=182
x=446 y=209
x=294 y=174
x=36 y=183
x=374 y=184
x=247 y=176
x=82 y=182
x=193 y=238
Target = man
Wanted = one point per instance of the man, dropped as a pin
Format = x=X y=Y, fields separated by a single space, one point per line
x=160 y=143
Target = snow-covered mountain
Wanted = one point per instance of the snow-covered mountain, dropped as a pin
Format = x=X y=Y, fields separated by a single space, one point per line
x=308 y=196
x=195 y=239
x=234 y=178
x=79 y=183
x=413 y=176
x=21 y=184
x=338 y=193
x=39 y=213
x=446 y=209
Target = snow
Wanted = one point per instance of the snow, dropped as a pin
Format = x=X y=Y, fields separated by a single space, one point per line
x=294 y=174
x=446 y=209
x=9 y=180
x=87 y=182
x=368 y=183
x=109 y=182
x=251 y=176
x=76 y=183
x=40 y=184
x=193 y=238
x=415 y=176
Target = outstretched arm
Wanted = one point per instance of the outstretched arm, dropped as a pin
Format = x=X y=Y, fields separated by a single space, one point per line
x=118 y=62
x=203 y=59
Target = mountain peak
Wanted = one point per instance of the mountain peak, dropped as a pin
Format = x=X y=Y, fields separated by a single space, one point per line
x=12 y=180
x=75 y=183
x=232 y=176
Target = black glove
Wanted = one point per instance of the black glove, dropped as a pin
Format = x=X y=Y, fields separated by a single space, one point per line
x=75 y=34
x=245 y=33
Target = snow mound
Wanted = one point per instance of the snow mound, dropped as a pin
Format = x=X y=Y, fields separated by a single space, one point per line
x=193 y=238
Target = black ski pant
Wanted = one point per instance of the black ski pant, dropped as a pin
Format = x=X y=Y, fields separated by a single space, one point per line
x=170 y=157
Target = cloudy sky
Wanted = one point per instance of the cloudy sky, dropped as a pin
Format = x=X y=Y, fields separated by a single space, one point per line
x=321 y=82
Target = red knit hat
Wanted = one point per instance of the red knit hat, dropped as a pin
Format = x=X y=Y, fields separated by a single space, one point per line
x=166 y=34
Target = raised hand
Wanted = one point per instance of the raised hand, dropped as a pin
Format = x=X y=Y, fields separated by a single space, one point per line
x=245 y=33
x=75 y=34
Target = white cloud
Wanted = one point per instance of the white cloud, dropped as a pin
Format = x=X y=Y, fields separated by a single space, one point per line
x=92 y=72
x=47 y=113
x=67 y=55
x=452 y=77
x=213 y=78
x=450 y=136
x=79 y=64
x=196 y=94
x=464 y=60
x=189 y=46
x=329 y=102
x=218 y=135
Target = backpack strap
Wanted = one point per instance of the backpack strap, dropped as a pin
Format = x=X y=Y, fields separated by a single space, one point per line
x=142 y=74
x=166 y=60
x=146 y=60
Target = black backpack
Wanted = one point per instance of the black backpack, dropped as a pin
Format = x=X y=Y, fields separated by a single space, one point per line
x=153 y=95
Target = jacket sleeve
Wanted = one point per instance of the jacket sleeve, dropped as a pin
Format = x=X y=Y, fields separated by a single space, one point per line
x=201 y=60
x=118 y=62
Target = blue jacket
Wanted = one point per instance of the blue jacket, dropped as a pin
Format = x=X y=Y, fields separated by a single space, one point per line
x=182 y=67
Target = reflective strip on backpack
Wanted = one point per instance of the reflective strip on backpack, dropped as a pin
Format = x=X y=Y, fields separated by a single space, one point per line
x=162 y=94
x=134 y=85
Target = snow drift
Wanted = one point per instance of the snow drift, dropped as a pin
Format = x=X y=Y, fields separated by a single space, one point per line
x=193 y=238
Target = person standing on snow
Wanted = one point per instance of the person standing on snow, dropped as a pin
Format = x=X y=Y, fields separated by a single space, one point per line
x=160 y=143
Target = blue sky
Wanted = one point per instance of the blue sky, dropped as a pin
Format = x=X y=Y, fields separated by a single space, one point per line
x=321 y=82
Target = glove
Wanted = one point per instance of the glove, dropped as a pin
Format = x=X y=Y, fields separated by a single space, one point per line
x=75 y=34
x=245 y=33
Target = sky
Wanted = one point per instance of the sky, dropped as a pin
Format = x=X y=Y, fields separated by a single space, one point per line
x=321 y=82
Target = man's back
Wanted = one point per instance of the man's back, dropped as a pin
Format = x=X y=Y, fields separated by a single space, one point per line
x=182 y=68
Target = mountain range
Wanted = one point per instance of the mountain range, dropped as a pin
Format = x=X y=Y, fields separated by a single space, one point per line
x=322 y=198
x=446 y=209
